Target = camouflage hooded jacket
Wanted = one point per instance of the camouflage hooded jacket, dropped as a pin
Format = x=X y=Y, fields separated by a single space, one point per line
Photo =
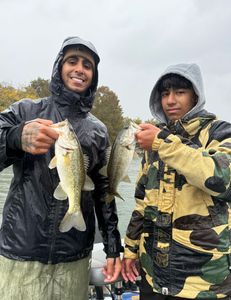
x=180 y=227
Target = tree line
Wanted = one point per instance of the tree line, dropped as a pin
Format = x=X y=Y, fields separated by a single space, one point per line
x=106 y=106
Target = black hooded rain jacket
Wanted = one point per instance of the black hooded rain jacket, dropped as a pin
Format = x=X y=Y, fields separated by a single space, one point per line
x=31 y=215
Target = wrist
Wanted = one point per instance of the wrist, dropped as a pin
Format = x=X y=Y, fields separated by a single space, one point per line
x=13 y=137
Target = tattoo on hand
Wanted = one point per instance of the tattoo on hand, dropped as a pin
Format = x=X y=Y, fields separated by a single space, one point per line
x=28 y=136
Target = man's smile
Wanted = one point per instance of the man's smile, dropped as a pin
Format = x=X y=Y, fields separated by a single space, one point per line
x=78 y=80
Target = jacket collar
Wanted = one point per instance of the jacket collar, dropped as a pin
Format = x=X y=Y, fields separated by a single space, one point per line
x=70 y=103
x=189 y=127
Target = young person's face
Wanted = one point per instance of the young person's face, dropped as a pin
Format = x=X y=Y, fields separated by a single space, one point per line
x=77 y=70
x=177 y=102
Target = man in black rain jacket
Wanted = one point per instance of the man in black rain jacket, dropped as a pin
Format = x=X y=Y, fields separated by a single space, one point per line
x=37 y=261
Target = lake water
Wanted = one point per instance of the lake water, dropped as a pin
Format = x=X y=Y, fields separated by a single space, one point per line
x=126 y=190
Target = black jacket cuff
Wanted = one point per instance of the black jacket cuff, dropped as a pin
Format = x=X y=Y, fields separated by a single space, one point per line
x=13 y=137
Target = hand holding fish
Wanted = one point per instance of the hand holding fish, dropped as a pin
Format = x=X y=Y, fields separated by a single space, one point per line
x=112 y=269
x=38 y=136
x=146 y=135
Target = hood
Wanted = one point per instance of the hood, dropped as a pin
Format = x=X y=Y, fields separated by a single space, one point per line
x=56 y=85
x=192 y=73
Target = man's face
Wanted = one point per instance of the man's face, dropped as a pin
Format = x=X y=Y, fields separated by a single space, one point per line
x=77 y=70
x=177 y=102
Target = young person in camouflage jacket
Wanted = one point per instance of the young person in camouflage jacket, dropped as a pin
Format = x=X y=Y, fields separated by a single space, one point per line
x=180 y=227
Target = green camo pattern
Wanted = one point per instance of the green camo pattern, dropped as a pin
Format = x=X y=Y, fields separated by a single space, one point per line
x=181 y=226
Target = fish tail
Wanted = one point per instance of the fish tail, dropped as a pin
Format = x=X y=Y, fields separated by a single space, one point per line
x=75 y=220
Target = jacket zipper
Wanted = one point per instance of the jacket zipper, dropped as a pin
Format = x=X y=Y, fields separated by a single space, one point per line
x=53 y=234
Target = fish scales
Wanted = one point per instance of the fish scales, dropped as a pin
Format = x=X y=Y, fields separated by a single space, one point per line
x=70 y=164
x=121 y=155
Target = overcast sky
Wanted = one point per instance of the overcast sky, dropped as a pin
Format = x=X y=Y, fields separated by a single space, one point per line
x=136 y=40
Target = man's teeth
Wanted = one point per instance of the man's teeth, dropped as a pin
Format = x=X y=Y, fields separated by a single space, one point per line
x=77 y=79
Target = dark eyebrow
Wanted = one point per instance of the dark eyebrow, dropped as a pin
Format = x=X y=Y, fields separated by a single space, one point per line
x=68 y=57
x=76 y=57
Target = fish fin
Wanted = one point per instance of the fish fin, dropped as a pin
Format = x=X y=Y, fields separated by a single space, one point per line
x=135 y=155
x=126 y=179
x=75 y=220
x=103 y=171
x=88 y=184
x=53 y=163
x=59 y=193
x=118 y=195
x=110 y=197
x=108 y=153
x=86 y=162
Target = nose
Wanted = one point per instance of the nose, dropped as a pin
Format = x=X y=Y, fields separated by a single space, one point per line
x=79 y=67
x=171 y=98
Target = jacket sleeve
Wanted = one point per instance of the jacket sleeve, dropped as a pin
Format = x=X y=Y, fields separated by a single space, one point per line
x=10 y=136
x=135 y=226
x=106 y=213
x=207 y=167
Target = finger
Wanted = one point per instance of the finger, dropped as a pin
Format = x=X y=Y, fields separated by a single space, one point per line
x=123 y=271
x=113 y=274
x=37 y=132
x=46 y=135
x=124 y=275
x=129 y=272
x=104 y=271
x=131 y=276
x=108 y=270
x=113 y=277
x=144 y=126
x=40 y=126
x=137 y=134
x=45 y=129
x=30 y=142
x=36 y=151
x=41 y=121
x=50 y=133
x=135 y=271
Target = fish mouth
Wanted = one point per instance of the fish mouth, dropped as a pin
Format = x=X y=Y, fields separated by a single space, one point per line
x=66 y=148
x=60 y=124
x=136 y=126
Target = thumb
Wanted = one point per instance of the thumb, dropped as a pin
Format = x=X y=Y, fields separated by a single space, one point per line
x=145 y=125
x=110 y=267
x=41 y=121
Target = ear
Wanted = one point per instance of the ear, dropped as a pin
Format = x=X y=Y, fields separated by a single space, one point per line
x=195 y=98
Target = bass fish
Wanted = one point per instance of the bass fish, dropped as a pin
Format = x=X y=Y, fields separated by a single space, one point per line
x=120 y=157
x=71 y=166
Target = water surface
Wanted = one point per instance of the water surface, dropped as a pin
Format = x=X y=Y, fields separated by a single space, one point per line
x=126 y=190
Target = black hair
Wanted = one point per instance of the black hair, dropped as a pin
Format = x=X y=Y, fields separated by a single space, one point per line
x=81 y=47
x=174 y=81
